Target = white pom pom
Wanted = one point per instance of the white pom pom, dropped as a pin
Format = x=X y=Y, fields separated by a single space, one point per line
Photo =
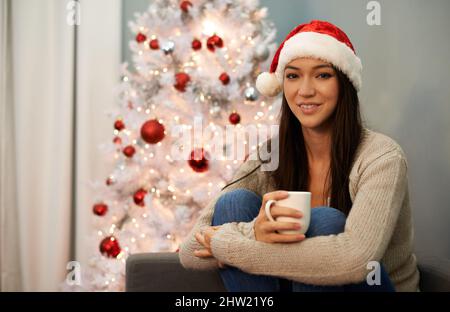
x=268 y=84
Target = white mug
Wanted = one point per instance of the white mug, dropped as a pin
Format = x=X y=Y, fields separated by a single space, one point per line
x=297 y=200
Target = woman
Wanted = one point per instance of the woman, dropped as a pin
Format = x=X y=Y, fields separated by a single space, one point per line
x=358 y=179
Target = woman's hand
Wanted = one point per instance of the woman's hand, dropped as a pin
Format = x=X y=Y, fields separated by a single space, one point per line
x=204 y=238
x=266 y=230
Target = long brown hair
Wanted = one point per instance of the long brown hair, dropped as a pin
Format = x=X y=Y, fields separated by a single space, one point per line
x=292 y=173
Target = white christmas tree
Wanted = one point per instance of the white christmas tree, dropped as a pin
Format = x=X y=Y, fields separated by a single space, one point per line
x=194 y=64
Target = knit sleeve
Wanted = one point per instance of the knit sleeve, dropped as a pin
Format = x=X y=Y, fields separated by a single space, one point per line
x=245 y=177
x=333 y=259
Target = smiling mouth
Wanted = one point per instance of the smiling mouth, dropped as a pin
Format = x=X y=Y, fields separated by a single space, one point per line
x=308 y=104
x=309 y=108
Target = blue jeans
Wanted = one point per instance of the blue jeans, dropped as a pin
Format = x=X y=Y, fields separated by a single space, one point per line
x=242 y=205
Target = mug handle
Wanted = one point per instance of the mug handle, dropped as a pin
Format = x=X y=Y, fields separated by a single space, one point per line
x=269 y=204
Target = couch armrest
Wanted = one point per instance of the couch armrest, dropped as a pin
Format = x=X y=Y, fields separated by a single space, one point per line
x=434 y=274
x=164 y=272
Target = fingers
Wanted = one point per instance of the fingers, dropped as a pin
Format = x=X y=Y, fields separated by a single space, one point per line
x=277 y=195
x=268 y=232
x=278 y=211
x=201 y=239
x=280 y=226
x=285 y=238
x=203 y=253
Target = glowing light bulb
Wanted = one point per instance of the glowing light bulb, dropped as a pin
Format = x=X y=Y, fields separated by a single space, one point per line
x=209 y=28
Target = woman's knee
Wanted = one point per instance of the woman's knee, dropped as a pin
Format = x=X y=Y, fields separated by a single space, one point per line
x=240 y=205
x=326 y=221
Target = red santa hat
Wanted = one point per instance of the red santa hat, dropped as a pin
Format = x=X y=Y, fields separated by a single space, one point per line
x=318 y=39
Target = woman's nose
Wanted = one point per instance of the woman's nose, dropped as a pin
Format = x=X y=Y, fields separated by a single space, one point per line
x=306 y=88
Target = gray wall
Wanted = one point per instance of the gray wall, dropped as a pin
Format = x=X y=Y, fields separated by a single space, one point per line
x=405 y=94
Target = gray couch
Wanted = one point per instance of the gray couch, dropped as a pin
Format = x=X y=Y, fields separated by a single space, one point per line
x=163 y=272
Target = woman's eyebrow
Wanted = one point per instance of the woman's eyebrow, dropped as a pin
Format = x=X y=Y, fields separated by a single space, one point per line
x=315 y=67
x=322 y=66
x=291 y=67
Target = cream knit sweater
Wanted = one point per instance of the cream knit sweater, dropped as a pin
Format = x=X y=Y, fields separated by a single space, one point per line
x=378 y=228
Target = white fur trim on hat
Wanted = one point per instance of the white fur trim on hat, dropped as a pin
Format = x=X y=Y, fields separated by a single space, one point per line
x=268 y=84
x=324 y=47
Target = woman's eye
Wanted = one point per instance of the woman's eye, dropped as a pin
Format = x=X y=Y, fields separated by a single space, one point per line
x=324 y=75
x=291 y=76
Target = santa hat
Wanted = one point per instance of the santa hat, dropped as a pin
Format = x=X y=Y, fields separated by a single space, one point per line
x=318 y=39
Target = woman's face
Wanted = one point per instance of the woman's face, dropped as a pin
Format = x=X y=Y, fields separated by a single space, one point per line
x=311 y=89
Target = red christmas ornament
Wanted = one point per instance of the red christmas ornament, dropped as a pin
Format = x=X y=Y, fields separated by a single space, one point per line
x=140 y=37
x=196 y=44
x=154 y=44
x=100 y=209
x=152 y=131
x=181 y=80
x=224 y=78
x=214 y=42
x=210 y=45
x=117 y=140
x=119 y=125
x=184 y=6
x=234 y=118
x=139 y=196
x=198 y=160
x=109 y=247
x=218 y=41
x=129 y=151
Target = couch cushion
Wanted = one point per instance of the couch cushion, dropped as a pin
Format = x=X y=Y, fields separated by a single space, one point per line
x=163 y=272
